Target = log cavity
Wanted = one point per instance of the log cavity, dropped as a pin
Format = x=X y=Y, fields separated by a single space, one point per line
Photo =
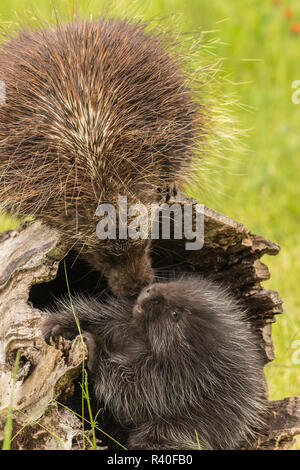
x=168 y=259
x=82 y=280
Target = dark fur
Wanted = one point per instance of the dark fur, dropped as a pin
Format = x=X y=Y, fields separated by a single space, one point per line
x=182 y=359
x=94 y=110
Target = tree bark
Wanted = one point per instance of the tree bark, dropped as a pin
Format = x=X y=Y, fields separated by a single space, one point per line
x=30 y=262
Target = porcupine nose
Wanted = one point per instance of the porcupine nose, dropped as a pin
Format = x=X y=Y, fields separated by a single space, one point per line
x=148 y=301
x=152 y=294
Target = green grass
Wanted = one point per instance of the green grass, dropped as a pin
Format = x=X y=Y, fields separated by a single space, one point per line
x=9 y=421
x=260 y=186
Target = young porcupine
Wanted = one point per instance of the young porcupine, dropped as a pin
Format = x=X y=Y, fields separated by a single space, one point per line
x=182 y=360
x=94 y=109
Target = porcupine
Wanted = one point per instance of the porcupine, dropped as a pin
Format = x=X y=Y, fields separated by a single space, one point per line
x=181 y=362
x=94 y=109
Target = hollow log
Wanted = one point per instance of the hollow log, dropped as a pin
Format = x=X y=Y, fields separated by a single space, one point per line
x=32 y=276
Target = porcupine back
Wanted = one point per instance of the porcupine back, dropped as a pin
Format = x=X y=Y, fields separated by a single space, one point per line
x=93 y=110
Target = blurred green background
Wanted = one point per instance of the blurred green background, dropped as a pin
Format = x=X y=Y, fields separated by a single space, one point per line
x=259 y=41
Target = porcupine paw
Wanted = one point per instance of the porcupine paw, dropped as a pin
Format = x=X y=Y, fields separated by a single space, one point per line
x=166 y=193
x=91 y=346
x=54 y=332
x=52 y=329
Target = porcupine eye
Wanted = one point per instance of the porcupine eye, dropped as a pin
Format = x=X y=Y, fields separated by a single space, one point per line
x=174 y=315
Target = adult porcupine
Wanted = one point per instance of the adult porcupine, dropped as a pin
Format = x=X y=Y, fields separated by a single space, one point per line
x=182 y=360
x=93 y=110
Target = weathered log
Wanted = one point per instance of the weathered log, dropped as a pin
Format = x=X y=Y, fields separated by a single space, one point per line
x=31 y=276
x=27 y=256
